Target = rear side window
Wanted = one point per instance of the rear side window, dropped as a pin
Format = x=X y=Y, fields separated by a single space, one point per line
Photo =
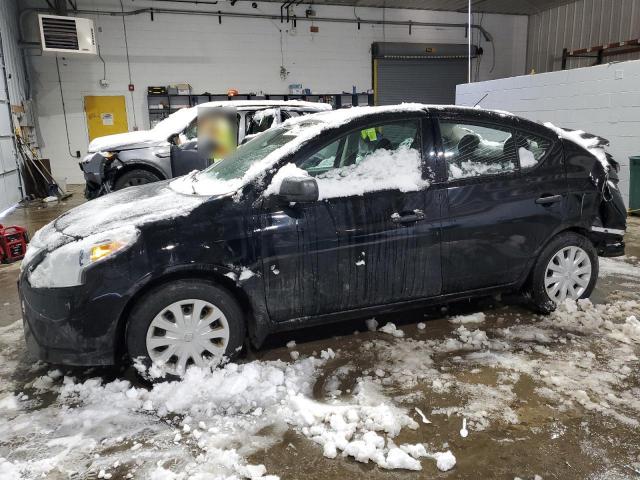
x=475 y=150
x=531 y=149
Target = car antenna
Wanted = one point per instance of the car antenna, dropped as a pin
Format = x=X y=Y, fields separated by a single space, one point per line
x=478 y=102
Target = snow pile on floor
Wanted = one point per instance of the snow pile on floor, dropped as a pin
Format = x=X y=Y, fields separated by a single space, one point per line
x=391 y=329
x=478 y=317
x=363 y=430
x=205 y=424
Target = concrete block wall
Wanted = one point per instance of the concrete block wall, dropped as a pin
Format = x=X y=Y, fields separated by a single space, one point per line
x=603 y=100
x=245 y=54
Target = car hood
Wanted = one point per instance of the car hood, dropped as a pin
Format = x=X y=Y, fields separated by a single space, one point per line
x=132 y=206
x=126 y=141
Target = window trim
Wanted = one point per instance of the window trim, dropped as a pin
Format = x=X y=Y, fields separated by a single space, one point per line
x=481 y=122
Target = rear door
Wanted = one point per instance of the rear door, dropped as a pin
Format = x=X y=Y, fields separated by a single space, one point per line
x=506 y=192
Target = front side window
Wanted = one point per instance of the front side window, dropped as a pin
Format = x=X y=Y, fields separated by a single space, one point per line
x=474 y=150
x=379 y=157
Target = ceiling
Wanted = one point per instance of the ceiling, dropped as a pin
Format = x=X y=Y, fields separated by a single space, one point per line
x=513 y=7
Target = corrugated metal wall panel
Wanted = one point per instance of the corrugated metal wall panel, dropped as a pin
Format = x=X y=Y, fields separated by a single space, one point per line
x=16 y=89
x=581 y=24
x=13 y=55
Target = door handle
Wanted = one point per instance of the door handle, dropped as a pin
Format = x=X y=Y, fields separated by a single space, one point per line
x=409 y=217
x=549 y=199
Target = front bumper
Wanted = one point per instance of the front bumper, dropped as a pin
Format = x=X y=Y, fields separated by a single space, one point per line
x=611 y=249
x=70 y=326
x=94 y=169
x=608 y=242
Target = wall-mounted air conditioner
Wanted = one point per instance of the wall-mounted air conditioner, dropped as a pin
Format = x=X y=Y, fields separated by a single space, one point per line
x=67 y=34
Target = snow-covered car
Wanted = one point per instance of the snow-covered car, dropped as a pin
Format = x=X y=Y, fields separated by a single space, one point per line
x=127 y=159
x=328 y=217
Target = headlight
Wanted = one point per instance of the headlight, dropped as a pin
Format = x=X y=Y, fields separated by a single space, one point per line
x=64 y=266
x=108 y=155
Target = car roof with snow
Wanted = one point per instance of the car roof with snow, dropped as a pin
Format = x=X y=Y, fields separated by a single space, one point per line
x=252 y=104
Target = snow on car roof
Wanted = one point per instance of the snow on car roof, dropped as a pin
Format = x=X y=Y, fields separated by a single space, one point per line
x=175 y=122
x=344 y=115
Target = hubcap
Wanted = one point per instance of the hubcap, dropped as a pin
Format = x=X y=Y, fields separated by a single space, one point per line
x=137 y=181
x=187 y=332
x=568 y=274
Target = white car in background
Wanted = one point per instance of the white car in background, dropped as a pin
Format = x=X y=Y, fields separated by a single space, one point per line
x=114 y=162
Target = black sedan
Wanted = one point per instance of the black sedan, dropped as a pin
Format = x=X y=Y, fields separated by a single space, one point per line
x=328 y=217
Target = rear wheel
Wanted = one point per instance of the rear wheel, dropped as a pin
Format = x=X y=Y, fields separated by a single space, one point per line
x=566 y=268
x=185 y=323
x=135 y=177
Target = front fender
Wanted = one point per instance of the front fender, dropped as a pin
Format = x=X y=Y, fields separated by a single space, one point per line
x=247 y=289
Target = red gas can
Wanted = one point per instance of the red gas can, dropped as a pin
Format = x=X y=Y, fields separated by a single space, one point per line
x=13 y=243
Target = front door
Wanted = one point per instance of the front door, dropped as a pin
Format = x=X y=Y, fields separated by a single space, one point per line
x=495 y=219
x=371 y=239
x=106 y=115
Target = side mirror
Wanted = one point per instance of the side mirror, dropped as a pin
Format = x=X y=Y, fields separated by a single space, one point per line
x=299 y=189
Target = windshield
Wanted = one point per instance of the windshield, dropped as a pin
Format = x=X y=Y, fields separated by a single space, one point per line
x=238 y=163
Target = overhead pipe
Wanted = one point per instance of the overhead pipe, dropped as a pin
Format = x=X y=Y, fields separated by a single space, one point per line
x=264 y=16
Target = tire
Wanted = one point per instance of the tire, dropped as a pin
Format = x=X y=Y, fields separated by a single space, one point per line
x=220 y=316
x=571 y=247
x=134 y=178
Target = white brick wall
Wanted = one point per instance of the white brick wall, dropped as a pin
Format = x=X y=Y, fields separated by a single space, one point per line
x=240 y=53
x=593 y=99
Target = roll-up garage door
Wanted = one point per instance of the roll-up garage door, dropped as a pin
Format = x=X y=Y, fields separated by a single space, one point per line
x=424 y=73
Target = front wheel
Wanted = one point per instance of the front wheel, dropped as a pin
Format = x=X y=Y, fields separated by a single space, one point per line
x=185 y=323
x=566 y=268
x=134 y=178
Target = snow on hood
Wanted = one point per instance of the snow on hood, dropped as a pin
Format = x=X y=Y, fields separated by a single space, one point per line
x=592 y=143
x=131 y=206
x=174 y=123
x=121 y=140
